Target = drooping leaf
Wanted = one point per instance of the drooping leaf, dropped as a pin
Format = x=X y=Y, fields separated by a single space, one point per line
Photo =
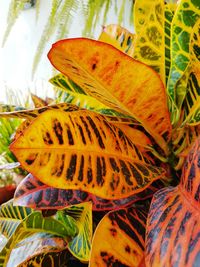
x=118 y=37
x=186 y=15
x=34 y=194
x=150 y=42
x=81 y=150
x=41 y=248
x=32 y=224
x=101 y=70
x=119 y=239
x=80 y=245
x=11 y=216
x=173 y=223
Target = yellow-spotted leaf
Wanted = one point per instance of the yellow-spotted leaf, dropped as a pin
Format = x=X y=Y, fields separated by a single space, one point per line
x=80 y=246
x=119 y=239
x=186 y=15
x=118 y=37
x=117 y=80
x=81 y=150
x=150 y=42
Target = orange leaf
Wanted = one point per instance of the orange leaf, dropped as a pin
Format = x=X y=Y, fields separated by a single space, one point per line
x=173 y=226
x=117 y=80
x=81 y=150
x=123 y=239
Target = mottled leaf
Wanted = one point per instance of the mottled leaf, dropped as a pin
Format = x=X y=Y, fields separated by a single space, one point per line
x=150 y=42
x=108 y=75
x=82 y=151
x=186 y=15
x=38 y=101
x=118 y=37
x=173 y=225
x=119 y=239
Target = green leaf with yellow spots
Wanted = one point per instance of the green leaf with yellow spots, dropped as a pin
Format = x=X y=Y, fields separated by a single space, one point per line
x=186 y=15
x=118 y=37
x=150 y=41
x=82 y=150
x=80 y=245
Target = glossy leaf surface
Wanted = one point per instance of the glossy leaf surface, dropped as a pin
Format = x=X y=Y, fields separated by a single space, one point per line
x=118 y=37
x=173 y=226
x=34 y=194
x=80 y=245
x=123 y=233
x=81 y=150
x=102 y=71
x=41 y=248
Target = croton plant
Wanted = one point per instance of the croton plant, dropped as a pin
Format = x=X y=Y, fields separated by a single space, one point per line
x=114 y=163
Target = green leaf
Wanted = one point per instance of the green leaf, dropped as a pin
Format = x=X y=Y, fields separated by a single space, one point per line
x=185 y=17
x=11 y=216
x=80 y=245
x=32 y=224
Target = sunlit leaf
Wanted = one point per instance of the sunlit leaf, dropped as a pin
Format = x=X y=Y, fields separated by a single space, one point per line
x=102 y=71
x=80 y=245
x=173 y=222
x=150 y=42
x=82 y=151
x=118 y=37
x=42 y=249
x=119 y=239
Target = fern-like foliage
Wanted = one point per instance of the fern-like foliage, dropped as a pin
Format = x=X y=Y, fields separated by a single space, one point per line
x=94 y=13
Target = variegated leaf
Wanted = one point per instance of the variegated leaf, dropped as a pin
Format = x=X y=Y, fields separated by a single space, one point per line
x=32 y=224
x=173 y=225
x=34 y=194
x=102 y=71
x=118 y=37
x=38 y=101
x=82 y=151
x=42 y=249
x=80 y=245
x=185 y=17
x=11 y=216
x=119 y=239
